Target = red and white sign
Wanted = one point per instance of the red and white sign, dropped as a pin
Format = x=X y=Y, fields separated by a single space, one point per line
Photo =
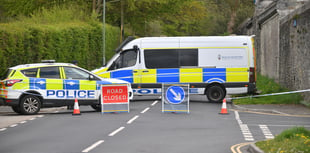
x=112 y=94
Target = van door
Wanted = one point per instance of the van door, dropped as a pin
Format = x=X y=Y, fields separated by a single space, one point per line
x=125 y=67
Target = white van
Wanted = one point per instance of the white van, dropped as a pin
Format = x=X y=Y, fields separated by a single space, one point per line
x=213 y=65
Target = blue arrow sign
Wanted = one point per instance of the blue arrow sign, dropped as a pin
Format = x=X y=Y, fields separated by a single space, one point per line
x=175 y=94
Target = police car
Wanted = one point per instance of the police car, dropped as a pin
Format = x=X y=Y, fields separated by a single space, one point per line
x=29 y=87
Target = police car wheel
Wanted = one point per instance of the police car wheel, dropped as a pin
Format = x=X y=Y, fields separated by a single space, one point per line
x=30 y=105
x=96 y=107
x=16 y=109
x=215 y=93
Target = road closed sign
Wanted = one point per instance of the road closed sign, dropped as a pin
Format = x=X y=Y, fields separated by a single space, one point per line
x=115 y=94
x=114 y=98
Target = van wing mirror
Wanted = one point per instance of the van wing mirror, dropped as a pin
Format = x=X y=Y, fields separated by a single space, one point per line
x=136 y=49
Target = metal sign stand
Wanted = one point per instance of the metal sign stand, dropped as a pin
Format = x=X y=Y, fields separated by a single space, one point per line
x=175 y=98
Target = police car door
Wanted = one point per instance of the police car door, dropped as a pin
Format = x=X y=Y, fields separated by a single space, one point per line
x=49 y=78
x=78 y=84
x=125 y=66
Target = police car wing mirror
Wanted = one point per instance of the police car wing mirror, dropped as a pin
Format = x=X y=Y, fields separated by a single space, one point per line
x=91 y=77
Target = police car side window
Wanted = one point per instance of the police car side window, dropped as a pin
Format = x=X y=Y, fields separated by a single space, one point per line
x=50 y=72
x=74 y=73
x=30 y=72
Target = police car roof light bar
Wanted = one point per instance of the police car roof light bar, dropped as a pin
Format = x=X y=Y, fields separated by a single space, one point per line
x=48 y=61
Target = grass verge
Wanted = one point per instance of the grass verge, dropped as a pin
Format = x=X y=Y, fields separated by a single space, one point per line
x=293 y=140
x=268 y=86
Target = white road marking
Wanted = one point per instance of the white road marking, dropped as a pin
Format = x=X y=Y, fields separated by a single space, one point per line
x=93 y=146
x=13 y=125
x=154 y=103
x=244 y=129
x=293 y=125
x=116 y=131
x=3 y=129
x=22 y=122
x=133 y=119
x=32 y=119
x=267 y=133
x=145 y=110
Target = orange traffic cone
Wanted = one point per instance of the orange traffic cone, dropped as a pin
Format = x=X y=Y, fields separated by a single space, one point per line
x=76 y=110
x=224 y=107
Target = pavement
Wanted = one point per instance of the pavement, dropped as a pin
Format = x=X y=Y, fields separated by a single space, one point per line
x=280 y=109
x=283 y=109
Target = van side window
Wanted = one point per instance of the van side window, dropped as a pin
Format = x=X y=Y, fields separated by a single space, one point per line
x=126 y=59
x=170 y=58
x=161 y=58
x=188 y=57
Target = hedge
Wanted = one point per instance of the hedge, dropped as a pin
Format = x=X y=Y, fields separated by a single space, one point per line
x=22 y=43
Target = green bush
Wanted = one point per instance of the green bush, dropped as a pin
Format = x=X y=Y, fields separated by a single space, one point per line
x=293 y=140
x=30 y=43
x=63 y=33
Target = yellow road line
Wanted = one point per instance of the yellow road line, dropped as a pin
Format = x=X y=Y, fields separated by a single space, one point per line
x=236 y=148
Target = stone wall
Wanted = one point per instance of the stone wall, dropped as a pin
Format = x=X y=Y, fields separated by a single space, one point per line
x=295 y=50
x=282 y=42
x=269 y=48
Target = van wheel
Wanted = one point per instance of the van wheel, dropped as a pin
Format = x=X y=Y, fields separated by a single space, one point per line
x=215 y=93
x=96 y=107
x=16 y=109
x=30 y=105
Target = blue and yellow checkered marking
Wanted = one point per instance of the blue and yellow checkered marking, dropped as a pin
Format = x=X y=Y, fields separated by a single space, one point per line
x=183 y=75
x=37 y=83
x=214 y=75
x=71 y=84
x=58 y=84
x=167 y=75
x=123 y=75
x=99 y=83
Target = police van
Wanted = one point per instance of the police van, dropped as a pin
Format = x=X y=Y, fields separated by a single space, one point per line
x=211 y=65
x=29 y=87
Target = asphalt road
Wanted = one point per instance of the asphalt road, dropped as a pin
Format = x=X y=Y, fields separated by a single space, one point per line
x=144 y=130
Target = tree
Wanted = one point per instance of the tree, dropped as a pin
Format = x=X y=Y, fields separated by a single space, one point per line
x=233 y=5
x=148 y=17
x=186 y=20
x=138 y=14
